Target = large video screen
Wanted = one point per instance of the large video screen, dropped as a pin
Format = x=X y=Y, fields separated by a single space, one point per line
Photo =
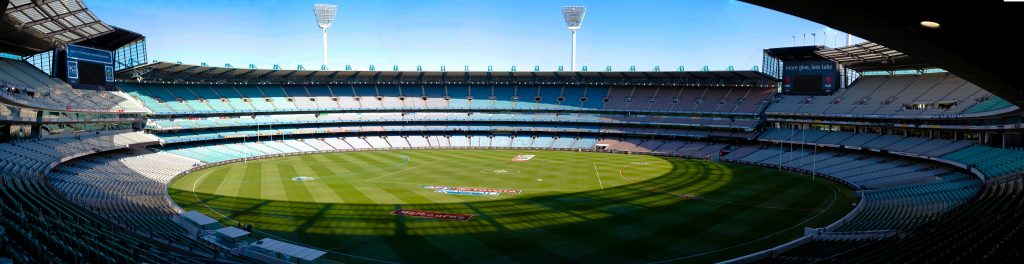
x=807 y=83
x=809 y=77
x=91 y=73
x=89 y=67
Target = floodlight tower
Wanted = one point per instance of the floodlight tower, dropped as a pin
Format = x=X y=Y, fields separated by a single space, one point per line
x=324 y=18
x=574 y=19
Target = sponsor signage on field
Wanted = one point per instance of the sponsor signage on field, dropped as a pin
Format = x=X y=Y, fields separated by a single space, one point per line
x=434 y=215
x=523 y=157
x=470 y=191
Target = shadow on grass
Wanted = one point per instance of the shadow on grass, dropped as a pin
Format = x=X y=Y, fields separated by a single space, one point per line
x=640 y=222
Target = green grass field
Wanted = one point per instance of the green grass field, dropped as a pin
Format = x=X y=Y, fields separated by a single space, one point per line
x=574 y=206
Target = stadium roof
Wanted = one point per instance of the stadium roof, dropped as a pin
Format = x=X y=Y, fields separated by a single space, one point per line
x=32 y=26
x=870 y=56
x=973 y=41
x=301 y=252
x=796 y=53
x=166 y=71
x=113 y=40
x=232 y=232
x=198 y=218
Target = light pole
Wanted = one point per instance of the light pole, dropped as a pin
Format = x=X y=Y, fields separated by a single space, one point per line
x=324 y=18
x=574 y=19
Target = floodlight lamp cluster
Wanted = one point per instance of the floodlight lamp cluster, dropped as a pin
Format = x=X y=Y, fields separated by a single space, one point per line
x=574 y=16
x=325 y=14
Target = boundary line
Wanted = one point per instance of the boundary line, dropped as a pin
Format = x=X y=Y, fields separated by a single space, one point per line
x=598 y=176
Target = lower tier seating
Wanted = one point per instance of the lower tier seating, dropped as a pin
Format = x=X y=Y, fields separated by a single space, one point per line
x=217 y=152
x=989 y=229
x=40 y=226
x=897 y=193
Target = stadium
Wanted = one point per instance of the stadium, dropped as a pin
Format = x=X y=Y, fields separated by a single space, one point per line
x=905 y=147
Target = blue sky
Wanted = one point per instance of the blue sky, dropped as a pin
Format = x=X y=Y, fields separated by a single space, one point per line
x=524 y=33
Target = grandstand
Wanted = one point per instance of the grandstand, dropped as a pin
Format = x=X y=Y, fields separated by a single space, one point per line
x=932 y=95
x=25 y=84
x=989 y=219
x=187 y=99
x=934 y=157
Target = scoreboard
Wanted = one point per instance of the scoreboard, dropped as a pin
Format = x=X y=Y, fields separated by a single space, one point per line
x=818 y=77
x=800 y=70
x=88 y=66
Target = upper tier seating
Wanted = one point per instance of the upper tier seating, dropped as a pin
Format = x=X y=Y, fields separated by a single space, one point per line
x=248 y=121
x=33 y=157
x=993 y=162
x=276 y=131
x=194 y=98
x=24 y=83
x=910 y=96
x=992 y=103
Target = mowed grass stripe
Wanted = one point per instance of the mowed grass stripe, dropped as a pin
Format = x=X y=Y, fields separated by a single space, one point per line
x=210 y=181
x=336 y=162
x=635 y=229
x=607 y=232
x=343 y=185
x=325 y=166
x=359 y=165
x=359 y=168
x=182 y=190
x=295 y=191
x=766 y=220
x=252 y=174
x=699 y=179
x=376 y=166
x=529 y=245
x=373 y=164
x=724 y=213
x=271 y=187
x=689 y=175
x=444 y=166
x=232 y=181
x=409 y=193
x=573 y=245
x=319 y=190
